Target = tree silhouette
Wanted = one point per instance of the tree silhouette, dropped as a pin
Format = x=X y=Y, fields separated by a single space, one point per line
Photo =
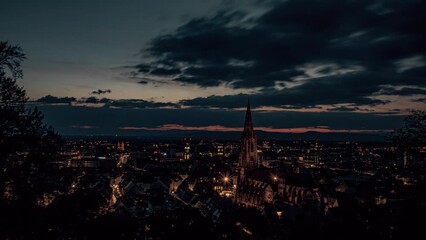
x=26 y=143
x=411 y=136
x=413 y=132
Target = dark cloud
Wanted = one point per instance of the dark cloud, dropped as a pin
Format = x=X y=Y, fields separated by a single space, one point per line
x=322 y=91
x=138 y=103
x=345 y=109
x=52 y=99
x=405 y=91
x=126 y=103
x=108 y=103
x=362 y=45
x=99 y=91
x=94 y=100
x=165 y=71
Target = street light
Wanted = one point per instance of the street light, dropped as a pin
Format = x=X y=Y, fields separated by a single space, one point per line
x=274 y=178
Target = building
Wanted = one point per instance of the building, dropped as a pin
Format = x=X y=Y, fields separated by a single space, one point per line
x=120 y=146
x=258 y=185
x=187 y=152
x=248 y=159
x=254 y=187
x=219 y=149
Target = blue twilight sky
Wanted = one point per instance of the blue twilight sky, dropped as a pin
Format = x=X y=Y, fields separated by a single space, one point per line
x=142 y=67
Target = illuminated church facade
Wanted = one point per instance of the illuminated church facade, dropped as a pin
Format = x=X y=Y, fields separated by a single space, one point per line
x=257 y=186
x=253 y=189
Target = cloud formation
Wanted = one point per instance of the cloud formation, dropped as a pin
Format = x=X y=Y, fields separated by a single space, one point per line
x=300 y=52
x=99 y=91
x=138 y=103
x=106 y=102
x=54 y=100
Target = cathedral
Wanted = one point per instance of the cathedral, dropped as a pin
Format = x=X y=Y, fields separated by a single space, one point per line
x=257 y=186
x=253 y=187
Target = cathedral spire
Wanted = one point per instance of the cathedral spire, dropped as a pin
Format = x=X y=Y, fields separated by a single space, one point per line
x=248 y=153
x=248 y=123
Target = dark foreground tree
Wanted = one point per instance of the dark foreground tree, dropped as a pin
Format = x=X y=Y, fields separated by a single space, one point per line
x=36 y=197
x=413 y=132
x=26 y=143
x=411 y=137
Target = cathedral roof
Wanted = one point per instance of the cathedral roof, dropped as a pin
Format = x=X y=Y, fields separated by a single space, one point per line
x=253 y=187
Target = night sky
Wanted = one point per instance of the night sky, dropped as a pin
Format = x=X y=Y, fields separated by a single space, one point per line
x=139 y=67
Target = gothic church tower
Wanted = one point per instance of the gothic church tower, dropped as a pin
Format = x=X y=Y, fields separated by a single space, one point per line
x=248 y=153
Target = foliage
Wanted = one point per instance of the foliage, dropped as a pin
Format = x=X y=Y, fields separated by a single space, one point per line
x=26 y=143
x=21 y=128
x=413 y=132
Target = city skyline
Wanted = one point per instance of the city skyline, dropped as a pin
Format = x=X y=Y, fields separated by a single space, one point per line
x=186 y=68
